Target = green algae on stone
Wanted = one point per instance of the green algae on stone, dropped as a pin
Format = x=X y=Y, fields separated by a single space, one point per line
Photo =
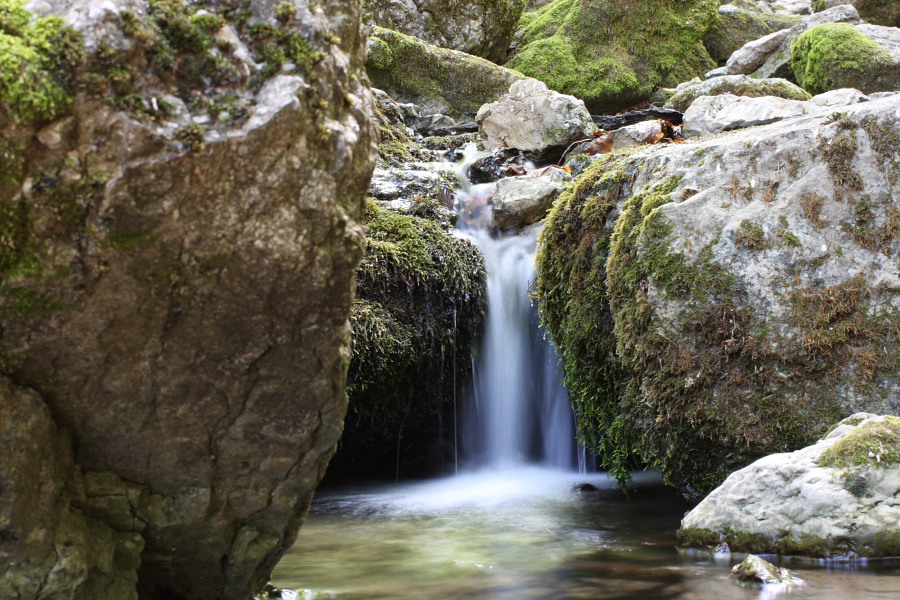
x=36 y=56
x=873 y=444
x=838 y=55
x=610 y=54
x=436 y=79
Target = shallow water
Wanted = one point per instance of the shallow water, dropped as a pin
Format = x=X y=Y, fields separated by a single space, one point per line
x=526 y=534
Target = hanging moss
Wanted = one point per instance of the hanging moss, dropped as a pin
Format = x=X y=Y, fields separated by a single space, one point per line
x=421 y=302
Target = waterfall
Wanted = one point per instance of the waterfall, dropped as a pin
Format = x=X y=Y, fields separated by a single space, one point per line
x=519 y=412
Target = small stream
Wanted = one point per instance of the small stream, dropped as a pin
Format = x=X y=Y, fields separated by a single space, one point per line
x=511 y=525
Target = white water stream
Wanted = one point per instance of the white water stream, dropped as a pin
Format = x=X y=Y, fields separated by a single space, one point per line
x=513 y=527
x=520 y=413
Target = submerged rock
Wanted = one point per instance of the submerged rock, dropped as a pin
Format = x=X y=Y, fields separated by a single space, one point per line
x=180 y=231
x=502 y=162
x=836 y=498
x=753 y=569
x=608 y=53
x=479 y=28
x=718 y=301
x=435 y=79
x=534 y=119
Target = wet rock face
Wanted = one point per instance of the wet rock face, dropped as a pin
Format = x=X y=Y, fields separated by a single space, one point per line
x=481 y=28
x=741 y=279
x=176 y=284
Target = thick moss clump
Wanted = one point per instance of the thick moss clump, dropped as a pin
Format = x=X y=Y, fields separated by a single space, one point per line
x=697 y=63
x=36 y=58
x=609 y=53
x=872 y=445
x=436 y=79
x=837 y=55
x=421 y=302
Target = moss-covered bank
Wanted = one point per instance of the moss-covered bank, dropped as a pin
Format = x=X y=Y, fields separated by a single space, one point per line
x=420 y=303
x=609 y=53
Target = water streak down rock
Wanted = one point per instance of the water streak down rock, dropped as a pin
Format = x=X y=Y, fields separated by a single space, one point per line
x=175 y=288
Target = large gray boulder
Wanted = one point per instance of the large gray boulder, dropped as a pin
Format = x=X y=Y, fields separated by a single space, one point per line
x=533 y=119
x=731 y=297
x=479 y=28
x=837 y=497
x=179 y=240
x=436 y=80
x=709 y=115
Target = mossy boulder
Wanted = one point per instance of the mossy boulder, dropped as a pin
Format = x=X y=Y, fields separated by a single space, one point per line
x=835 y=498
x=697 y=63
x=717 y=301
x=839 y=55
x=437 y=80
x=610 y=54
x=733 y=28
x=178 y=243
x=737 y=85
x=877 y=12
x=482 y=28
x=420 y=304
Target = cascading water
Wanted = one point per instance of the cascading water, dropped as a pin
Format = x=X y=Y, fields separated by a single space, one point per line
x=520 y=413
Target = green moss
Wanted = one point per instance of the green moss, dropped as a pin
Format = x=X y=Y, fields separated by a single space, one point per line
x=36 y=56
x=694 y=64
x=608 y=53
x=731 y=31
x=837 y=55
x=751 y=235
x=789 y=239
x=409 y=69
x=869 y=445
x=421 y=302
x=192 y=137
x=879 y=12
x=285 y=12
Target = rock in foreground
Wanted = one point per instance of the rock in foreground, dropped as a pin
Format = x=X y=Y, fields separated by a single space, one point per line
x=179 y=242
x=838 y=497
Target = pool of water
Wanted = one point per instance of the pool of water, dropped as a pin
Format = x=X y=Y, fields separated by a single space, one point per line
x=529 y=534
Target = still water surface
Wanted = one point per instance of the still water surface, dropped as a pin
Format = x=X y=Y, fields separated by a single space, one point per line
x=526 y=535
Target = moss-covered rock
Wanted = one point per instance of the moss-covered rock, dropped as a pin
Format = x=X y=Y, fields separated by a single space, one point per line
x=420 y=304
x=608 y=53
x=178 y=245
x=697 y=63
x=835 y=498
x=838 y=55
x=481 y=28
x=437 y=80
x=733 y=28
x=737 y=85
x=37 y=55
x=717 y=301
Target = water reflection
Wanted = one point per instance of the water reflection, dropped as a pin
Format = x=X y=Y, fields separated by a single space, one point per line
x=527 y=534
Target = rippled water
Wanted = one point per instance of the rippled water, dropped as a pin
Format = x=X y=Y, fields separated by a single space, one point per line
x=527 y=534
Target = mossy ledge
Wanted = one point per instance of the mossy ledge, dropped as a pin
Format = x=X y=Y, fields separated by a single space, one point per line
x=420 y=304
